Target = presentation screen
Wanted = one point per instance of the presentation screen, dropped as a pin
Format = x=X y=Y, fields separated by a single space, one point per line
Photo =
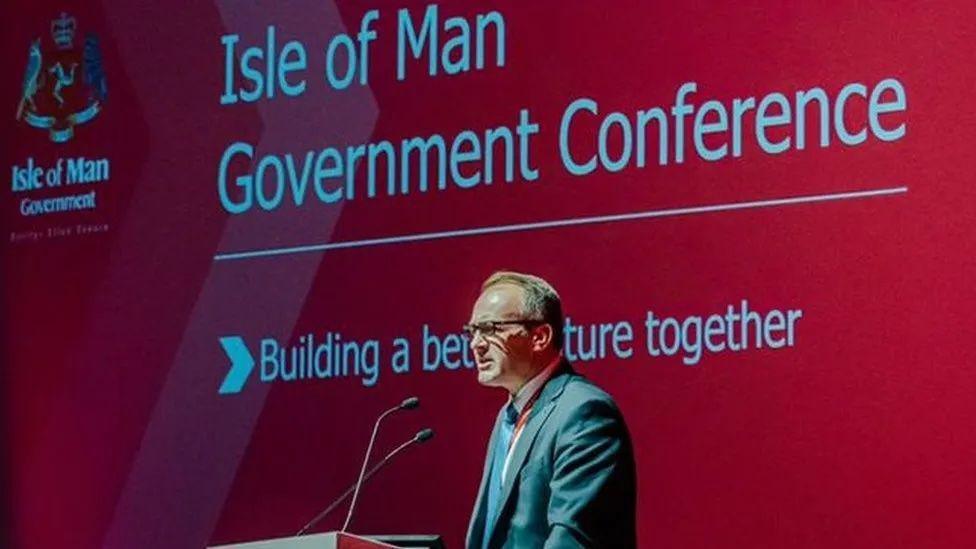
x=235 y=233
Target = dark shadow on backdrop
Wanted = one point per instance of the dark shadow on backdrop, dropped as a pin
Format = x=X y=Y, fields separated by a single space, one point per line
x=6 y=499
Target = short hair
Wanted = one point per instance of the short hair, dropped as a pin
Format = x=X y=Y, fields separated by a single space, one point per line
x=539 y=300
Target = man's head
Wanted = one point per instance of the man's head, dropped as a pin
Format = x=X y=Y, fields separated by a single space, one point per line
x=516 y=329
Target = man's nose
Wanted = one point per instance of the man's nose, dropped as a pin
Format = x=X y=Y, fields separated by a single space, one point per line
x=478 y=343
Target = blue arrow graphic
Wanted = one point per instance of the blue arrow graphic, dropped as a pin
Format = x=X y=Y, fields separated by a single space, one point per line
x=241 y=365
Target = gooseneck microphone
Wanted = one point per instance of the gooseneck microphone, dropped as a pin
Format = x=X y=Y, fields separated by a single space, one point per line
x=408 y=404
x=421 y=437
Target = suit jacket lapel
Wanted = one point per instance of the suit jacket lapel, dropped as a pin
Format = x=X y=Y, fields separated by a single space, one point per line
x=540 y=412
x=477 y=524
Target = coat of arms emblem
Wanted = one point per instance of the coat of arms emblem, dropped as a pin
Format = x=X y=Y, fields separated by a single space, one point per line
x=64 y=83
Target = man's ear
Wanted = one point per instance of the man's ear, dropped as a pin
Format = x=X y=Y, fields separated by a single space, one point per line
x=541 y=337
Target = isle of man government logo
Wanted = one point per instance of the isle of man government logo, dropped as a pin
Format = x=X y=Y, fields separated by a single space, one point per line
x=64 y=83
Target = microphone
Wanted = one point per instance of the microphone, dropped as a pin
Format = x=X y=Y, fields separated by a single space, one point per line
x=408 y=404
x=420 y=438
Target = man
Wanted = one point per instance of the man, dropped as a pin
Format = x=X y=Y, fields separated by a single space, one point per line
x=560 y=466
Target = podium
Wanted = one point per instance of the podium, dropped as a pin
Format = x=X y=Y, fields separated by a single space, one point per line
x=336 y=540
x=330 y=540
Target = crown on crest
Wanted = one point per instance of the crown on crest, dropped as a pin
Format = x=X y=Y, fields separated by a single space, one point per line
x=63 y=31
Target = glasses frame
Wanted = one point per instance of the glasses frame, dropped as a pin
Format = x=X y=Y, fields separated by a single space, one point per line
x=473 y=330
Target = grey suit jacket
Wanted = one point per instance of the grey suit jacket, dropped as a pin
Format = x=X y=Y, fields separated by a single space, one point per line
x=571 y=480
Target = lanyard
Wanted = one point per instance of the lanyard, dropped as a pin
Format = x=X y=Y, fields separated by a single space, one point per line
x=523 y=418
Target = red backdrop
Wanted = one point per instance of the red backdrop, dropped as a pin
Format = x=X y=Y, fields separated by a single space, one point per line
x=857 y=436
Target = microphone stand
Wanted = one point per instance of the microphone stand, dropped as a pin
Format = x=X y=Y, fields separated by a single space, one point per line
x=422 y=436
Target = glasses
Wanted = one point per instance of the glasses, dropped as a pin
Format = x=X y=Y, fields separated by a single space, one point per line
x=489 y=328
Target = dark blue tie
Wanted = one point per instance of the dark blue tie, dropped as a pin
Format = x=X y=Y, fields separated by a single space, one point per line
x=500 y=452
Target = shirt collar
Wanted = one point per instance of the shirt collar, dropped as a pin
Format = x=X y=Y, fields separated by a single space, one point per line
x=534 y=385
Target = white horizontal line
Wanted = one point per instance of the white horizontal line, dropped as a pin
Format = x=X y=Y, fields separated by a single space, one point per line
x=692 y=210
